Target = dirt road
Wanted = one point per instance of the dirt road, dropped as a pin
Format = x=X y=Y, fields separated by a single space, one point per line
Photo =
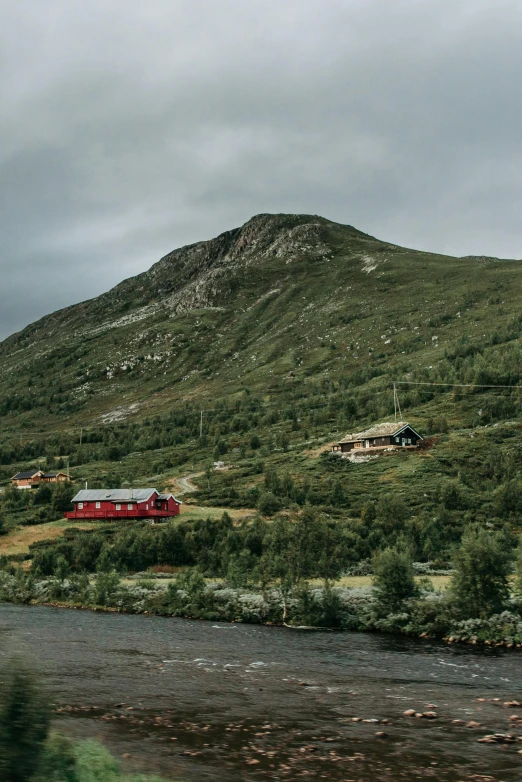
x=184 y=485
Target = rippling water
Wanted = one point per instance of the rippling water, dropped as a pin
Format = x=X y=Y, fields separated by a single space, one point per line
x=206 y=701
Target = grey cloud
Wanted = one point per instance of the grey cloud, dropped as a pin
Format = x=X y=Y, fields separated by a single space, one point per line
x=129 y=129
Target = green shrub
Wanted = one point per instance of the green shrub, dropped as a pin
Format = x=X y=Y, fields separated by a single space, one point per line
x=58 y=762
x=268 y=504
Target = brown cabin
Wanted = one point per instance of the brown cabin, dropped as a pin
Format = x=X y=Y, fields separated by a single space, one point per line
x=395 y=434
x=55 y=477
x=31 y=479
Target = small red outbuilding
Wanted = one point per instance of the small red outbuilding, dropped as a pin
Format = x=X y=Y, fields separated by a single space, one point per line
x=123 y=504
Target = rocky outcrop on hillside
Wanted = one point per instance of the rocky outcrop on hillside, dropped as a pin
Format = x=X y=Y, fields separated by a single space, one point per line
x=210 y=268
x=196 y=276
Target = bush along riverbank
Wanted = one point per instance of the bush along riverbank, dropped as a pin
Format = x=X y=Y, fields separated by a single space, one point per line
x=482 y=604
x=31 y=752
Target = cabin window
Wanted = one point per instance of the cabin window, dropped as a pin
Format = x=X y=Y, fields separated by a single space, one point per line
x=80 y=506
x=98 y=504
x=146 y=507
x=118 y=507
x=129 y=506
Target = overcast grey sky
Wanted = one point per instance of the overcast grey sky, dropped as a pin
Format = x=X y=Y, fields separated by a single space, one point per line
x=129 y=128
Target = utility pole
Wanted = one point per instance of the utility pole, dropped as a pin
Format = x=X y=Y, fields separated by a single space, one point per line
x=396 y=403
x=201 y=426
x=81 y=435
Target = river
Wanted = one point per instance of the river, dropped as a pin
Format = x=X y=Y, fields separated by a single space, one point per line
x=203 y=701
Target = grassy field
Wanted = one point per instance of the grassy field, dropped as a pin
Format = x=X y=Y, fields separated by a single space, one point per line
x=17 y=541
x=188 y=511
x=439 y=582
x=352 y=582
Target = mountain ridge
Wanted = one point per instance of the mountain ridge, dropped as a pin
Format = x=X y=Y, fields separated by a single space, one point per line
x=221 y=246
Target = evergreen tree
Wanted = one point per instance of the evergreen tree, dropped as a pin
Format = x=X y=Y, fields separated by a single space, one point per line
x=24 y=724
x=518 y=571
x=43 y=495
x=330 y=552
x=393 y=579
x=278 y=561
x=105 y=587
x=305 y=545
x=479 y=586
x=338 y=498
x=62 y=496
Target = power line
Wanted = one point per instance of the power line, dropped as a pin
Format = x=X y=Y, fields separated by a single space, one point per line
x=454 y=385
x=82 y=429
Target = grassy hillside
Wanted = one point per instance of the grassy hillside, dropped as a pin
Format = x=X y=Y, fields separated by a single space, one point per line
x=283 y=294
x=286 y=333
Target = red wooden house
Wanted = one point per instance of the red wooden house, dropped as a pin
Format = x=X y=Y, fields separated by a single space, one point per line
x=123 y=504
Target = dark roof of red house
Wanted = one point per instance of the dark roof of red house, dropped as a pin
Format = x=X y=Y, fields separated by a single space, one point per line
x=119 y=495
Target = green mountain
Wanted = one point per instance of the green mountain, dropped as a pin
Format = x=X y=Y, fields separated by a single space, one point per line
x=283 y=295
x=261 y=347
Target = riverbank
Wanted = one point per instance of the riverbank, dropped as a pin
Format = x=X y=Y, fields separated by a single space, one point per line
x=191 y=597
